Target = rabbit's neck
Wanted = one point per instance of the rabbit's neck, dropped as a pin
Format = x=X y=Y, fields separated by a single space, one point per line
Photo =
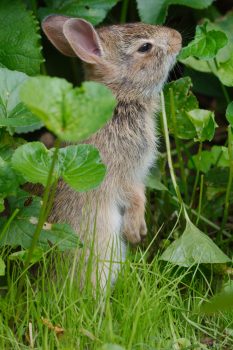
x=127 y=143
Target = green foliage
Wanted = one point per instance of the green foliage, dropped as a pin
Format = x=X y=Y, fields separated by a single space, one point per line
x=184 y=101
x=20 y=49
x=80 y=165
x=91 y=10
x=205 y=45
x=229 y=113
x=204 y=123
x=72 y=114
x=155 y=12
x=193 y=247
x=13 y=113
x=21 y=229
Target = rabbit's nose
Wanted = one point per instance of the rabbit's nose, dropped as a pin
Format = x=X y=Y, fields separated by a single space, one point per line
x=174 y=41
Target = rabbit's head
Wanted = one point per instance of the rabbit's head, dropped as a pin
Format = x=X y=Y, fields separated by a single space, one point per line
x=132 y=59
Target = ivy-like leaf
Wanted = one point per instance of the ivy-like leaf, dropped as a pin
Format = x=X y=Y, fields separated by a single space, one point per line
x=9 y=181
x=33 y=161
x=194 y=247
x=22 y=228
x=82 y=167
x=204 y=123
x=155 y=12
x=72 y=114
x=19 y=38
x=79 y=165
x=184 y=102
x=13 y=113
x=91 y=10
x=206 y=44
x=23 y=254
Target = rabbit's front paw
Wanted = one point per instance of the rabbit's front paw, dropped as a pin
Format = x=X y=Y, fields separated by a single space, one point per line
x=134 y=228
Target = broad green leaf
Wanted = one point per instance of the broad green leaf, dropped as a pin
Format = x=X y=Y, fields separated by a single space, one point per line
x=9 y=181
x=155 y=183
x=194 y=63
x=23 y=254
x=202 y=162
x=194 y=247
x=9 y=144
x=19 y=38
x=72 y=114
x=2 y=267
x=33 y=161
x=205 y=45
x=79 y=165
x=155 y=12
x=225 y=72
x=184 y=101
x=229 y=113
x=22 y=228
x=218 y=156
x=82 y=167
x=204 y=123
x=91 y=10
x=13 y=113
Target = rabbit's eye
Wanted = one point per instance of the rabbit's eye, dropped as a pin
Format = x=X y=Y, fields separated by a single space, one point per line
x=145 y=47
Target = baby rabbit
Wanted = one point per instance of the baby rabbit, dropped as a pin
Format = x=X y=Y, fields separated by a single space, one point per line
x=133 y=60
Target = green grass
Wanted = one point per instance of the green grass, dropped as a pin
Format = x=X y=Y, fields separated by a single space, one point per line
x=152 y=306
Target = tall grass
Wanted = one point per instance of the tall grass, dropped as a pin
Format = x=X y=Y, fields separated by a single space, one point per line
x=152 y=306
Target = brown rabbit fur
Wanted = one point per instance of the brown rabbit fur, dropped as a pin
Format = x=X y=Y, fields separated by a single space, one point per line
x=133 y=60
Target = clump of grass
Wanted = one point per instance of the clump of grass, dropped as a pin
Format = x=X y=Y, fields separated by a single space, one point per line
x=152 y=306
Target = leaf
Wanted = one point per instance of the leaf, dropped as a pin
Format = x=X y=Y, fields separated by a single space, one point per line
x=33 y=161
x=91 y=10
x=205 y=45
x=202 y=162
x=204 y=123
x=22 y=228
x=9 y=181
x=23 y=254
x=20 y=48
x=184 y=102
x=225 y=72
x=9 y=144
x=193 y=247
x=72 y=114
x=79 y=165
x=229 y=113
x=82 y=167
x=13 y=113
x=155 y=12
x=155 y=183
x=2 y=267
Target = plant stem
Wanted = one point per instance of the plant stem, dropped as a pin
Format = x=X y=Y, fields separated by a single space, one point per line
x=168 y=148
x=42 y=215
x=9 y=221
x=200 y=199
x=124 y=9
x=197 y=174
x=229 y=184
x=180 y=160
x=43 y=211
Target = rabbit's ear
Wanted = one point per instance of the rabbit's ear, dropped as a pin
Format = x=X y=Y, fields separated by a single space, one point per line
x=53 y=27
x=83 y=39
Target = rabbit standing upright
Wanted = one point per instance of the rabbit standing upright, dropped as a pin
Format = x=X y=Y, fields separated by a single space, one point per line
x=133 y=60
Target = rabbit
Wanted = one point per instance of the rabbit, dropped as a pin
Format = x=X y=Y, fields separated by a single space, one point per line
x=133 y=60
